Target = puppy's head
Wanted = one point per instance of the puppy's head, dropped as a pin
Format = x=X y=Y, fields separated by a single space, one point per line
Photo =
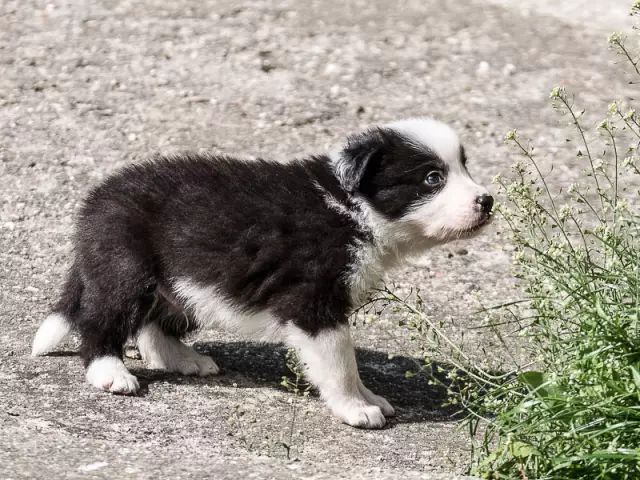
x=413 y=174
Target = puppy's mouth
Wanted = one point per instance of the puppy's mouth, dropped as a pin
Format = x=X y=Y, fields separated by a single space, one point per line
x=483 y=222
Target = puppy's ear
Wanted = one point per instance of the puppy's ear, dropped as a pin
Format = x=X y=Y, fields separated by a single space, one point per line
x=359 y=153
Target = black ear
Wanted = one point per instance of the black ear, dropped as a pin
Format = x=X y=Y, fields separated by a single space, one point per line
x=359 y=154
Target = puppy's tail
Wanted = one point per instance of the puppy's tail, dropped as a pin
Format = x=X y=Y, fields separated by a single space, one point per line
x=57 y=326
x=53 y=331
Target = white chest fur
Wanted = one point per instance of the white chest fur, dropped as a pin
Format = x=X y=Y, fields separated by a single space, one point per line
x=212 y=309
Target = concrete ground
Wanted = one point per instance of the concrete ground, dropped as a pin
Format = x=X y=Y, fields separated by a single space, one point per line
x=86 y=87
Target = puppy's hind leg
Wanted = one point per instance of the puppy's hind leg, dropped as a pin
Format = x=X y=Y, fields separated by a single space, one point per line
x=166 y=352
x=108 y=316
x=330 y=364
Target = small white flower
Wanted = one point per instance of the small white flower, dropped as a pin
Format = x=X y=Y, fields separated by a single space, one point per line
x=622 y=205
x=605 y=125
x=565 y=212
x=557 y=92
x=628 y=162
x=616 y=38
x=518 y=257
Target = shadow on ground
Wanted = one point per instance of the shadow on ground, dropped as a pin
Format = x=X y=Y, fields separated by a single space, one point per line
x=249 y=365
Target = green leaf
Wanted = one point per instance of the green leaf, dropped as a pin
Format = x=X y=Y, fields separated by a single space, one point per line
x=600 y=310
x=522 y=450
x=636 y=376
x=539 y=383
x=532 y=378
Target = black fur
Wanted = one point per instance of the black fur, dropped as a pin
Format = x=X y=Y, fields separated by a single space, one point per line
x=261 y=232
x=394 y=177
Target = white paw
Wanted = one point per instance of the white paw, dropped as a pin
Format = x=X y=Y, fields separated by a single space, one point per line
x=385 y=406
x=191 y=363
x=164 y=352
x=357 y=413
x=110 y=374
x=206 y=366
x=378 y=401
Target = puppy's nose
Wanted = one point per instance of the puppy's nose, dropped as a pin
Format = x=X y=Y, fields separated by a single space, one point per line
x=486 y=203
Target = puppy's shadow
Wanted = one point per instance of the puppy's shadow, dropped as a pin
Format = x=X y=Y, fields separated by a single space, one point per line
x=63 y=353
x=249 y=365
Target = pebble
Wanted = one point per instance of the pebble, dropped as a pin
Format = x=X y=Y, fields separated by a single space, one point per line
x=509 y=69
x=483 y=69
x=92 y=466
x=331 y=69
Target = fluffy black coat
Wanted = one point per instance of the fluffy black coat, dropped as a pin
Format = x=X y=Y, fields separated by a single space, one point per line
x=262 y=232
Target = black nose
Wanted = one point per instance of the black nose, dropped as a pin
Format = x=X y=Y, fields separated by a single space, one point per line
x=486 y=203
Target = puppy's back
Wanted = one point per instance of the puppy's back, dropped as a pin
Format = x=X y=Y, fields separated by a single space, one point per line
x=262 y=232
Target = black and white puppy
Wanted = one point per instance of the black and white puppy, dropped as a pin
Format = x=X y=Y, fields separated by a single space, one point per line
x=276 y=251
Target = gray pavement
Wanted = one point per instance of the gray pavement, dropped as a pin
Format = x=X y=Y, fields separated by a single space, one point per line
x=86 y=87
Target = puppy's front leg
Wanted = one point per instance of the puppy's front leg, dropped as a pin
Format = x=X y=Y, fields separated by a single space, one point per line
x=330 y=364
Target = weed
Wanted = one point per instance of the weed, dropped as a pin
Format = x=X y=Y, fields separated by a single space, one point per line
x=573 y=410
x=288 y=437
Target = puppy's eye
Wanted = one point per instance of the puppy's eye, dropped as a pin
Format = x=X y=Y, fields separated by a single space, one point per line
x=434 y=178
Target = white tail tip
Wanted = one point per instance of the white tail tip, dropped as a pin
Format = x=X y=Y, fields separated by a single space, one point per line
x=53 y=330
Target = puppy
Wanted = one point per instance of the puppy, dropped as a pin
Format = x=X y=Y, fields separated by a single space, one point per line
x=275 y=251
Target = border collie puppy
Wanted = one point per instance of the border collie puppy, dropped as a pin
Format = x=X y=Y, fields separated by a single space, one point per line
x=275 y=251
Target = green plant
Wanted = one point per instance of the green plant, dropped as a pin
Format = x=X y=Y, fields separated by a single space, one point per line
x=576 y=413
x=298 y=385
x=286 y=439
x=573 y=410
x=300 y=388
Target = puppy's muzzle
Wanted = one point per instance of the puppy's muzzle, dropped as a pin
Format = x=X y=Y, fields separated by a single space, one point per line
x=484 y=206
x=485 y=203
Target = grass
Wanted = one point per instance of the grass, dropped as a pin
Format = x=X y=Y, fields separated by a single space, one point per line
x=576 y=413
x=573 y=410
